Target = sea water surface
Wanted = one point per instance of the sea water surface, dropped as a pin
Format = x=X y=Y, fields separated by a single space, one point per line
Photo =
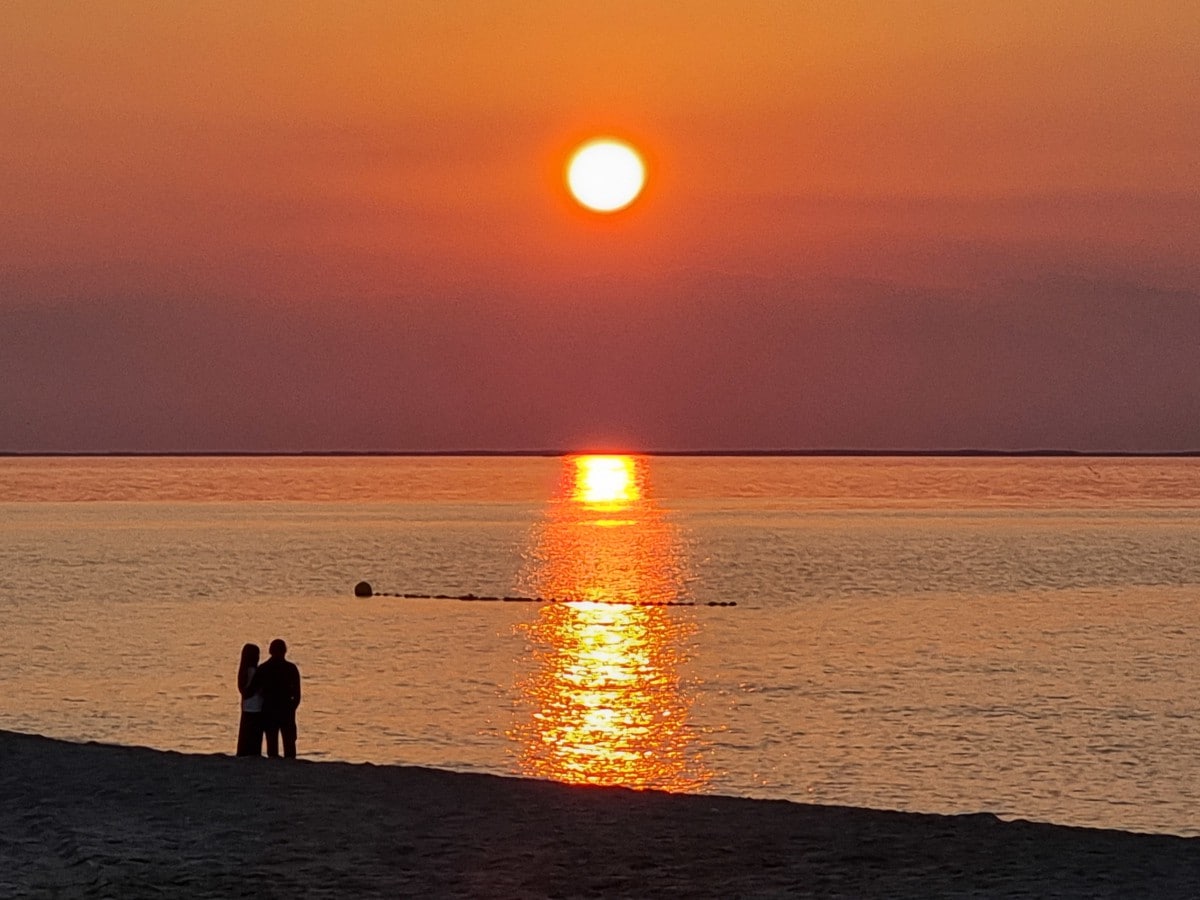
x=940 y=635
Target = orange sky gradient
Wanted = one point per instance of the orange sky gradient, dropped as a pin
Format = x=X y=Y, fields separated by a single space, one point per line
x=305 y=226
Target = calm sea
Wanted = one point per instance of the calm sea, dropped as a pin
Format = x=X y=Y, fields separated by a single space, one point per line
x=940 y=635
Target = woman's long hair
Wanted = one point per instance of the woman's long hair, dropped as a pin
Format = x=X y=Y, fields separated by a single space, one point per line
x=249 y=661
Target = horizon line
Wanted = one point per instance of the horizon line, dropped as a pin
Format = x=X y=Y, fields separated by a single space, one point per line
x=548 y=452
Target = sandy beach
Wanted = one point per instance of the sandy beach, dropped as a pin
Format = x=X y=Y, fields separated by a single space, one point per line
x=89 y=820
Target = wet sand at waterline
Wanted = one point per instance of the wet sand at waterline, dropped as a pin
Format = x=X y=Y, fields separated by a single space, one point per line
x=91 y=820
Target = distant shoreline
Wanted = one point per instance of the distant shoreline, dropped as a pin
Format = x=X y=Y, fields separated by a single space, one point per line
x=822 y=453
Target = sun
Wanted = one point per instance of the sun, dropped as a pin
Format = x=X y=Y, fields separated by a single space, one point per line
x=605 y=174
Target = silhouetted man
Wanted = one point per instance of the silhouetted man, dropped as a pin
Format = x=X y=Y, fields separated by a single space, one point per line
x=279 y=682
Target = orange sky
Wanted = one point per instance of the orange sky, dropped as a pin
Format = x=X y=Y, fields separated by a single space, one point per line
x=320 y=176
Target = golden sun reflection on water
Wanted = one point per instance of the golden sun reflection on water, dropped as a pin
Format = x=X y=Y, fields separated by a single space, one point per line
x=605 y=702
x=605 y=480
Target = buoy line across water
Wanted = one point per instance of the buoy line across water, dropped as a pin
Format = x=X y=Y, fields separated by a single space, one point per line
x=363 y=590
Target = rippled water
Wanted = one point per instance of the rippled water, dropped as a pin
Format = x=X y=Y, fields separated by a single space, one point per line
x=943 y=635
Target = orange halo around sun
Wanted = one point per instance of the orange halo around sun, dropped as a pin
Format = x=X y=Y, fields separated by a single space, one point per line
x=605 y=174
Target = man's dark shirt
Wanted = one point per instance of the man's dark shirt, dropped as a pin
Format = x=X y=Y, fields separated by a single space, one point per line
x=279 y=682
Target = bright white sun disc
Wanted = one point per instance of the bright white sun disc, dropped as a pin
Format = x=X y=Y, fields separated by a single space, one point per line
x=605 y=175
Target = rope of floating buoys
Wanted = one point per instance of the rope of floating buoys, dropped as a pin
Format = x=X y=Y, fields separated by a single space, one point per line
x=364 y=590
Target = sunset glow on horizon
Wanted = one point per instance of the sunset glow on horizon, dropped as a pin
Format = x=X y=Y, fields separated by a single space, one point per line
x=793 y=405
x=264 y=227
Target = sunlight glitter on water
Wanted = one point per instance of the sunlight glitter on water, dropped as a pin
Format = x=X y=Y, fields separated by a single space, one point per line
x=606 y=703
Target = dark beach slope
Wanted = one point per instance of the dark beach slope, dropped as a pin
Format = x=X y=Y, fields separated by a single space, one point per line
x=87 y=820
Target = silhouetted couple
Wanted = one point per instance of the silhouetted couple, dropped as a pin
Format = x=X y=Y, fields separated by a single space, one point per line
x=270 y=695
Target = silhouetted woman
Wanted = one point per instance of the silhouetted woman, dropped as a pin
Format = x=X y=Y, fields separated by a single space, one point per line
x=250 y=730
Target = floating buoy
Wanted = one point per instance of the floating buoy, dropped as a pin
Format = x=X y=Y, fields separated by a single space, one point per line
x=363 y=589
